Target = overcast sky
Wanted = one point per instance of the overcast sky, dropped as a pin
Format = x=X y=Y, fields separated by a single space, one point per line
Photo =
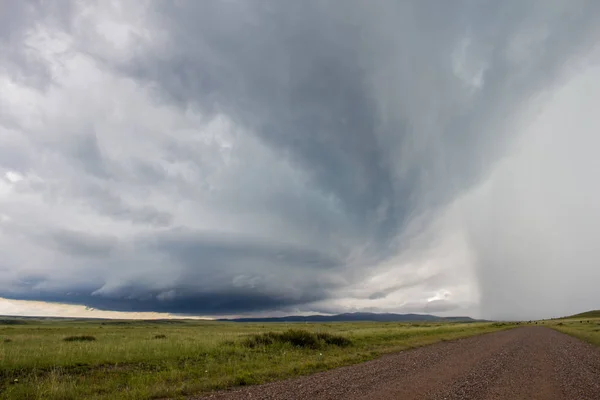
x=274 y=157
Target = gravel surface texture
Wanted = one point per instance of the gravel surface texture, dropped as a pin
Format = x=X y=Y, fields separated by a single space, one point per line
x=523 y=363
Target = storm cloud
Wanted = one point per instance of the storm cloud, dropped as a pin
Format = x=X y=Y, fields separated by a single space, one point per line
x=228 y=157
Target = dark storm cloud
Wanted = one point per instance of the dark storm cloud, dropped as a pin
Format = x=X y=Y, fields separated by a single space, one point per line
x=208 y=303
x=301 y=75
x=195 y=248
x=226 y=157
x=211 y=274
x=228 y=274
x=292 y=73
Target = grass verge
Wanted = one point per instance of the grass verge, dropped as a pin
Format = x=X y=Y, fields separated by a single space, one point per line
x=587 y=329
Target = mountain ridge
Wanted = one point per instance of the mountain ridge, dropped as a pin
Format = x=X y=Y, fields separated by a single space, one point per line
x=355 y=317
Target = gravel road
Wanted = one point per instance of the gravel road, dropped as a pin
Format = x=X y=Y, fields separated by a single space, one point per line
x=524 y=363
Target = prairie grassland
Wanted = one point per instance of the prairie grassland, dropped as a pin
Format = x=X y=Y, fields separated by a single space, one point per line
x=174 y=359
x=587 y=329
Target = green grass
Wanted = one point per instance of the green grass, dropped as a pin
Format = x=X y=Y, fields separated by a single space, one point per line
x=587 y=329
x=174 y=359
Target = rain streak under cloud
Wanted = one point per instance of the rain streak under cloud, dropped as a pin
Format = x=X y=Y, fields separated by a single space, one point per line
x=259 y=157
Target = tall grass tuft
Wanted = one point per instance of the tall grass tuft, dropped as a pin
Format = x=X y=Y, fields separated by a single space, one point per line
x=297 y=338
x=12 y=322
x=83 y=338
x=335 y=340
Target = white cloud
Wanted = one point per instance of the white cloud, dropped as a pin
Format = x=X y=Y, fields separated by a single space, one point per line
x=44 y=309
x=13 y=177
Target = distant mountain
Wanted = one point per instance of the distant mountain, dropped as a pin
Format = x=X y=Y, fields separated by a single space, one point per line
x=355 y=317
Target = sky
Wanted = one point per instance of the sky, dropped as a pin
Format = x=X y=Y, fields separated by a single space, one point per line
x=225 y=158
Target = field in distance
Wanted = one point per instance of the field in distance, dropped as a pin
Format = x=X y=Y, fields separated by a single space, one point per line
x=74 y=359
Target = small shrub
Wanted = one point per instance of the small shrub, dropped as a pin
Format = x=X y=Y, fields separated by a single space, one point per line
x=335 y=340
x=83 y=338
x=259 y=340
x=297 y=338
x=560 y=324
x=300 y=338
x=160 y=336
x=12 y=322
x=7 y=340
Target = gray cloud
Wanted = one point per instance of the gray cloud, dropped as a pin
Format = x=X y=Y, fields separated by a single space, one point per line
x=229 y=157
x=320 y=97
x=82 y=244
x=17 y=20
x=417 y=281
x=106 y=202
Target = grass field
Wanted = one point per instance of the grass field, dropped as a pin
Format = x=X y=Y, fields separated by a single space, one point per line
x=172 y=359
x=586 y=328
